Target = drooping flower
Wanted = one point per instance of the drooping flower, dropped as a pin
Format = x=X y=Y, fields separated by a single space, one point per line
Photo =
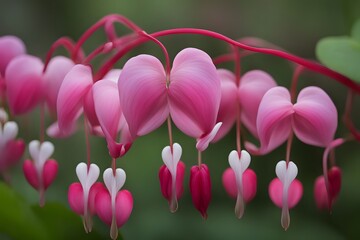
x=200 y=188
x=323 y=198
x=81 y=195
x=246 y=97
x=41 y=171
x=113 y=206
x=190 y=94
x=239 y=181
x=171 y=175
x=11 y=149
x=313 y=119
x=10 y=47
x=285 y=191
x=110 y=117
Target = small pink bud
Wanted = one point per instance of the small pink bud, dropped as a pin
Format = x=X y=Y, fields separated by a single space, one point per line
x=200 y=188
x=321 y=194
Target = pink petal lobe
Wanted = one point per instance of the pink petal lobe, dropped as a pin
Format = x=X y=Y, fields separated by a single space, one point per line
x=228 y=104
x=55 y=73
x=321 y=194
x=315 y=118
x=194 y=92
x=49 y=172
x=10 y=47
x=24 y=83
x=143 y=98
x=253 y=86
x=273 y=120
x=108 y=112
x=249 y=180
x=76 y=198
x=30 y=173
x=74 y=87
x=11 y=154
x=294 y=193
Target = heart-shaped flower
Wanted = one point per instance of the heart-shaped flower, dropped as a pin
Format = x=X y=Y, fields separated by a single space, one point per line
x=285 y=191
x=82 y=195
x=41 y=171
x=313 y=118
x=171 y=175
x=242 y=178
x=112 y=205
x=191 y=94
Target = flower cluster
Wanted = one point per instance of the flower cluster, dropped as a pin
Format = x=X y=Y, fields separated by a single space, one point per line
x=201 y=100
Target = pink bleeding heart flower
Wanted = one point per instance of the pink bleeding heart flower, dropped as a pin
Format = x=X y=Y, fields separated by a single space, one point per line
x=41 y=171
x=320 y=192
x=24 y=84
x=110 y=116
x=70 y=102
x=11 y=149
x=200 y=188
x=81 y=196
x=239 y=181
x=246 y=97
x=53 y=77
x=10 y=47
x=313 y=118
x=191 y=96
x=171 y=175
x=285 y=191
x=113 y=206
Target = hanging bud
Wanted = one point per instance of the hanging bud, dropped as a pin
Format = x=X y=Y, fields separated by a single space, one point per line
x=321 y=195
x=200 y=188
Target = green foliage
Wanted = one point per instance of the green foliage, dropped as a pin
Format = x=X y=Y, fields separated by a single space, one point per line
x=342 y=53
x=19 y=220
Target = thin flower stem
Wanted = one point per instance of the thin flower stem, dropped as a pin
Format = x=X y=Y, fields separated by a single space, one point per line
x=238 y=133
x=87 y=142
x=42 y=122
x=199 y=159
x=114 y=166
x=237 y=65
x=170 y=133
x=288 y=147
x=294 y=82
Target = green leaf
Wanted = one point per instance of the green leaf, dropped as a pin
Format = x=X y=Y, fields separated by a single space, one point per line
x=61 y=223
x=355 y=31
x=17 y=221
x=341 y=54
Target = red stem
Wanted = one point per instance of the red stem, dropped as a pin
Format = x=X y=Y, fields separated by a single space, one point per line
x=347 y=116
x=316 y=67
x=295 y=79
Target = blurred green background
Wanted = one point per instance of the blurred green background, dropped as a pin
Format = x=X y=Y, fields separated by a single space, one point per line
x=294 y=25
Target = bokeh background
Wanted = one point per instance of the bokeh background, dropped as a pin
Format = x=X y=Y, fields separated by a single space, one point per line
x=294 y=25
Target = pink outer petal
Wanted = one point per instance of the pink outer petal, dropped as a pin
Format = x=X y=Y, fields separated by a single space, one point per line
x=11 y=154
x=24 y=83
x=10 y=47
x=194 y=92
x=49 y=172
x=71 y=95
x=143 y=98
x=54 y=131
x=253 y=86
x=56 y=70
x=108 y=111
x=200 y=188
x=166 y=181
x=76 y=197
x=249 y=184
x=294 y=194
x=124 y=205
x=315 y=118
x=228 y=104
x=89 y=110
x=30 y=173
x=273 y=120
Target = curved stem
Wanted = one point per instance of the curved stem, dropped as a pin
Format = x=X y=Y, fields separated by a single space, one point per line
x=65 y=42
x=294 y=81
x=347 y=116
x=87 y=142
